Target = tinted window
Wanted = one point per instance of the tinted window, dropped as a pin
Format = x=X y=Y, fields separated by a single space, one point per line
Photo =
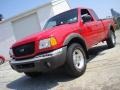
x=85 y=12
x=70 y=16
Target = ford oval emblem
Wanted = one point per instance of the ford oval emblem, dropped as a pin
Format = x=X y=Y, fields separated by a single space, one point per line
x=22 y=50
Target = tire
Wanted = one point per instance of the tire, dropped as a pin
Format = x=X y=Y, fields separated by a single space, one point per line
x=111 y=41
x=76 y=60
x=32 y=74
x=1 y=61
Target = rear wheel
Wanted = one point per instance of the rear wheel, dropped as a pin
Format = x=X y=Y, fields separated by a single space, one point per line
x=111 y=41
x=76 y=60
x=1 y=61
x=32 y=74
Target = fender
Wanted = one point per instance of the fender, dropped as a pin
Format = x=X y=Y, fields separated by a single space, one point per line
x=109 y=28
x=82 y=41
x=72 y=36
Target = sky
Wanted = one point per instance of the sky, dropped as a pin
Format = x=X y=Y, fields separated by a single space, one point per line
x=10 y=8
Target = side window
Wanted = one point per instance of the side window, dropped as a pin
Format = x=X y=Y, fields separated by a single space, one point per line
x=95 y=15
x=85 y=16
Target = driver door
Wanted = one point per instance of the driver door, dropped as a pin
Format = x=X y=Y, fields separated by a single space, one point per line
x=89 y=27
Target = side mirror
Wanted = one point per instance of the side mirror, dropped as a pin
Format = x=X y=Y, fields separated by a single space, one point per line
x=86 y=18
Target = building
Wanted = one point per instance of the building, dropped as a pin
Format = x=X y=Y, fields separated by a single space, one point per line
x=27 y=23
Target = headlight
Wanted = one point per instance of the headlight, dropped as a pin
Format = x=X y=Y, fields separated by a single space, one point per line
x=46 y=43
x=11 y=52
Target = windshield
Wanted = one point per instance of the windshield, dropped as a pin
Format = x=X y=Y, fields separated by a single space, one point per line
x=70 y=16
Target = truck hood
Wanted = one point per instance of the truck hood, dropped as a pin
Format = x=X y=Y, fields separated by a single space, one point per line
x=44 y=34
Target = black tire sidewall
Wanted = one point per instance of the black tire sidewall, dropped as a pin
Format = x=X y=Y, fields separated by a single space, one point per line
x=71 y=69
x=110 y=41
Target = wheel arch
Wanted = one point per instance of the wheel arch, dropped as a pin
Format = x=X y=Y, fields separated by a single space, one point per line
x=111 y=28
x=76 y=38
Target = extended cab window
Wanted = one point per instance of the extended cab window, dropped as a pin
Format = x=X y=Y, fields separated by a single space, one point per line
x=70 y=16
x=85 y=16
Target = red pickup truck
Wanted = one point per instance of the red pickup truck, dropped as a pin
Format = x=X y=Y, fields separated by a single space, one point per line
x=64 y=41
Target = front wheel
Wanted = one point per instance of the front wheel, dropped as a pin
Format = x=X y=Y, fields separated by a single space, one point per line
x=111 y=41
x=76 y=60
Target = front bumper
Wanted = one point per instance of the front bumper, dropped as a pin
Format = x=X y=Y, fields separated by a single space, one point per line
x=41 y=63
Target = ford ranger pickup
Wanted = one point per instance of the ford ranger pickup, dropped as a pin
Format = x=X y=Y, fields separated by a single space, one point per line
x=63 y=42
